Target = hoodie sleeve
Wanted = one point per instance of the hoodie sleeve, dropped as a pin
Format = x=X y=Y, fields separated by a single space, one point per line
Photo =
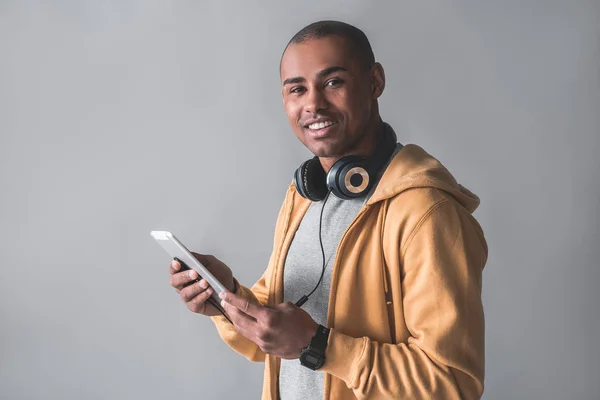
x=259 y=293
x=247 y=348
x=441 y=266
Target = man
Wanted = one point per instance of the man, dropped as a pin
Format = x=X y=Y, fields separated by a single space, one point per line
x=397 y=312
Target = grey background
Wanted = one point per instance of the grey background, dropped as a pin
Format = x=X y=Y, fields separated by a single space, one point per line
x=121 y=117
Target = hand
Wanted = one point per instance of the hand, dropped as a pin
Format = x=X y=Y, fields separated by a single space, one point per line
x=194 y=294
x=282 y=331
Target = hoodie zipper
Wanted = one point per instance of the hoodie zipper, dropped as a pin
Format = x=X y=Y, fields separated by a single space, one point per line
x=390 y=307
x=386 y=278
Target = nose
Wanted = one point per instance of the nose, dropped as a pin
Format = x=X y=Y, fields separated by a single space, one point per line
x=315 y=101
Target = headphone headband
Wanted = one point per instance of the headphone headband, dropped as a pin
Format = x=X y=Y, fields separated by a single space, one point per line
x=383 y=150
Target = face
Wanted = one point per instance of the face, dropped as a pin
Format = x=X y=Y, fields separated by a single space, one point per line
x=329 y=98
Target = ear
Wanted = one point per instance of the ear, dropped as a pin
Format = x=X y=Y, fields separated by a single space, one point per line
x=377 y=79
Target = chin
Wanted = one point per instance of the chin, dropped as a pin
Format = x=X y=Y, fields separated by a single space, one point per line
x=326 y=150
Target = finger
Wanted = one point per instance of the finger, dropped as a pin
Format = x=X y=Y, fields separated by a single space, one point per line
x=174 y=267
x=245 y=325
x=193 y=290
x=180 y=279
x=254 y=310
x=198 y=303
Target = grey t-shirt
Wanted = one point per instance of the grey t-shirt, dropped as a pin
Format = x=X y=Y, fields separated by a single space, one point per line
x=302 y=270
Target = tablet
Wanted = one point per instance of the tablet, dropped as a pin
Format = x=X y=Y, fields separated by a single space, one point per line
x=178 y=251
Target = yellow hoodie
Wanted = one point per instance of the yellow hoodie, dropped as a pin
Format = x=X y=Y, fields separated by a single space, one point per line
x=405 y=307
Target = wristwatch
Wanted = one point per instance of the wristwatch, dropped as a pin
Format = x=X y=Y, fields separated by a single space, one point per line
x=313 y=355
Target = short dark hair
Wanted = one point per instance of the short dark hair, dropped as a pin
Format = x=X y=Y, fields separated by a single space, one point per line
x=355 y=37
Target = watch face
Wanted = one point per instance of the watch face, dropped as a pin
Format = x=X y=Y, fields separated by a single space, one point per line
x=311 y=359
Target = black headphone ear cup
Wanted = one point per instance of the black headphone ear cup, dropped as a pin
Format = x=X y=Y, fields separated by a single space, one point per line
x=348 y=178
x=309 y=180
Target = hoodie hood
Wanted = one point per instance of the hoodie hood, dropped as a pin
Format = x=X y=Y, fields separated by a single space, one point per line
x=412 y=167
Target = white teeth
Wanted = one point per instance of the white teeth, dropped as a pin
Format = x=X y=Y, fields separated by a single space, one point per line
x=320 y=125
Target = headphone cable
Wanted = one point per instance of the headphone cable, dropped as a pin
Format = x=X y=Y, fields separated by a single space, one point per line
x=304 y=298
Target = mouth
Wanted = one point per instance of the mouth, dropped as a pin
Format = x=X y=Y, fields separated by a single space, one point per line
x=320 y=129
x=320 y=125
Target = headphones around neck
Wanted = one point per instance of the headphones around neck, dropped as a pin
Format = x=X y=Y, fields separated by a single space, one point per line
x=350 y=177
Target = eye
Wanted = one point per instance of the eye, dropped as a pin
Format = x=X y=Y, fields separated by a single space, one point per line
x=334 y=82
x=297 y=89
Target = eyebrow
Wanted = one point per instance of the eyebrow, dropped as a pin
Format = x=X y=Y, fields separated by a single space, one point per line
x=320 y=74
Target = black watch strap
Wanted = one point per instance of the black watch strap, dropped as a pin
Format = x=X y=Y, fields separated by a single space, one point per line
x=319 y=341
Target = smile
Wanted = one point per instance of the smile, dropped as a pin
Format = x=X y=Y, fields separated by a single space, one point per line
x=321 y=125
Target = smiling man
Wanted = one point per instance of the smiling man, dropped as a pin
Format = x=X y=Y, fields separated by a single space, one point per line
x=373 y=288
